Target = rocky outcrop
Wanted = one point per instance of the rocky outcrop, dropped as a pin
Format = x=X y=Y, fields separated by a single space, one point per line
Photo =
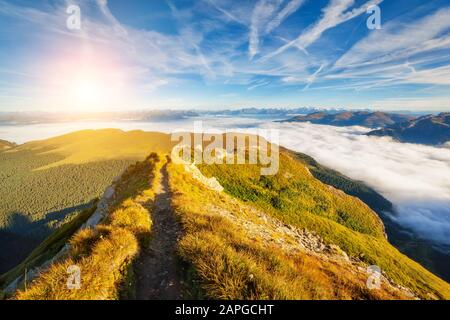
x=210 y=183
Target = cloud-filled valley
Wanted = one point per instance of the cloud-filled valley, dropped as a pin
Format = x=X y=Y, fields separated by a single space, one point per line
x=415 y=178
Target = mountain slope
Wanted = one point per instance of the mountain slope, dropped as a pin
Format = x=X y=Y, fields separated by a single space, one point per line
x=230 y=250
x=44 y=184
x=238 y=251
x=430 y=130
x=349 y=118
x=283 y=237
x=287 y=236
x=105 y=252
x=354 y=188
x=296 y=198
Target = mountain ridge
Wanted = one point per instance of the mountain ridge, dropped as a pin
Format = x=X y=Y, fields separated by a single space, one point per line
x=428 y=130
x=351 y=118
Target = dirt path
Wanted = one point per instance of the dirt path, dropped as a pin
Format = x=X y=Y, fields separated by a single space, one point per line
x=157 y=274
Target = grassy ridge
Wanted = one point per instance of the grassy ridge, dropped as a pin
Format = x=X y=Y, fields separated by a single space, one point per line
x=228 y=263
x=296 y=197
x=354 y=188
x=227 y=260
x=105 y=254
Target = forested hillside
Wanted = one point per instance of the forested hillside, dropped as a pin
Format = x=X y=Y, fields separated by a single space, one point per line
x=46 y=183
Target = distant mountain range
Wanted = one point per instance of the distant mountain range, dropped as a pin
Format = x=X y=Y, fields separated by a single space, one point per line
x=352 y=118
x=431 y=130
x=341 y=116
x=12 y=118
x=9 y=118
x=263 y=112
x=404 y=127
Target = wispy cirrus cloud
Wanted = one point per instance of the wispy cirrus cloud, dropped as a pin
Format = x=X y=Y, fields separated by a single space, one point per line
x=266 y=17
x=400 y=40
x=336 y=13
x=290 y=8
x=224 y=45
x=403 y=52
x=261 y=15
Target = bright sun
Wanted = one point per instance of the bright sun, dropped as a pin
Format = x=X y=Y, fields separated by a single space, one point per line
x=87 y=82
x=87 y=91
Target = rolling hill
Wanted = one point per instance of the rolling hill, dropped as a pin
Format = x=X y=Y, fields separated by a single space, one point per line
x=172 y=231
x=5 y=145
x=349 y=118
x=429 y=130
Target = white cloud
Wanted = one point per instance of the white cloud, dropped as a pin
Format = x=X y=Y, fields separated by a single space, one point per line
x=400 y=40
x=258 y=84
x=283 y=14
x=291 y=79
x=310 y=80
x=264 y=9
x=103 y=5
x=266 y=17
x=154 y=85
x=333 y=15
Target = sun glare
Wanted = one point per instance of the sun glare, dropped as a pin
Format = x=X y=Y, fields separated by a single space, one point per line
x=87 y=91
x=90 y=82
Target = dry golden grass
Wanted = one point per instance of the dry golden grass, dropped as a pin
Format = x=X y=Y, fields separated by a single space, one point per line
x=106 y=144
x=132 y=216
x=102 y=269
x=230 y=265
x=106 y=253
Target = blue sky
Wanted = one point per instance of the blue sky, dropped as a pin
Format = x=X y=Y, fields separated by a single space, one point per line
x=224 y=53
